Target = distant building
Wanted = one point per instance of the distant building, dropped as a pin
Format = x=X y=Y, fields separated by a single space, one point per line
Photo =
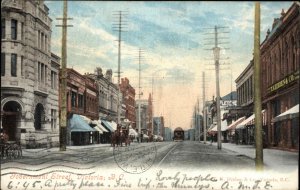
x=143 y=115
x=159 y=126
x=168 y=136
x=29 y=74
x=108 y=94
x=128 y=93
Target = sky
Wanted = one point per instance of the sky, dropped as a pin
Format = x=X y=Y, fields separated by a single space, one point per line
x=176 y=39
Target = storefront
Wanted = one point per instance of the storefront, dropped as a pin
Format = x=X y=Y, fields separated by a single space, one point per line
x=80 y=132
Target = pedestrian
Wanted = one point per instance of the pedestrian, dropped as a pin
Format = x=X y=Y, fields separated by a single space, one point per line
x=4 y=137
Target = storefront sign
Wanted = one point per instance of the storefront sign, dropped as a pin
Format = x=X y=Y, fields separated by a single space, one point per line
x=284 y=82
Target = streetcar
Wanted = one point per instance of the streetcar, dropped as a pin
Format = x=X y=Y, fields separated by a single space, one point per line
x=178 y=134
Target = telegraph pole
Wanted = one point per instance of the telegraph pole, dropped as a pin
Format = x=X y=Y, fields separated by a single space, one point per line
x=204 y=108
x=63 y=86
x=257 y=94
x=216 y=51
x=139 y=104
x=119 y=26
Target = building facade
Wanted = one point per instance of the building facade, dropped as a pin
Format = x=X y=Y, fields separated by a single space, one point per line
x=29 y=74
x=108 y=94
x=159 y=126
x=143 y=115
x=128 y=93
x=280 y=58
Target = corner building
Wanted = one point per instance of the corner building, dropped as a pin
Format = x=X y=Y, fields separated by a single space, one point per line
x=280 y=59
x=29 y=74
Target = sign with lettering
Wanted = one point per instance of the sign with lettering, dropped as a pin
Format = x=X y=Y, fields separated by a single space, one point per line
x=284 y=82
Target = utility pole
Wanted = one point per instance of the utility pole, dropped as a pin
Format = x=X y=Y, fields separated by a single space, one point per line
x=152 y=107
x=63 y=85
x=204 y=108
x=139 y=104
x=216 y=51
x=119 y=26
x=257 y=94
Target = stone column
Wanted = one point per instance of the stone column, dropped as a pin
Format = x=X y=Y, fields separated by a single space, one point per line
x=19 y=30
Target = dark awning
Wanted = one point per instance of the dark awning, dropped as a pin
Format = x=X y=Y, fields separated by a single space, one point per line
x=107 y=125
x=77 y=124
x=289 y=114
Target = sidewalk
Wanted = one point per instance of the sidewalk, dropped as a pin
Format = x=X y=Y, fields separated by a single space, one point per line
x=273 y=159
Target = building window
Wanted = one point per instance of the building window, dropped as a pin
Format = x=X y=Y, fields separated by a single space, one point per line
x=53 y=119
x=14 y=29
x=80 y=101
x=39 y=67
x=2 y=28
x=22 y=66
x=53 y=80
x=73 y=99
x=2 y=64
x=13 y=65
x=22 y=31
x=39 y=37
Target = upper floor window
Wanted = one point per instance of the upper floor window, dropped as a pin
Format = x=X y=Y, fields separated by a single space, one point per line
x=13 y=65
x=2 y=64
x=73 y=99
x=53 y=80
x=14 y=29
x=2 y=28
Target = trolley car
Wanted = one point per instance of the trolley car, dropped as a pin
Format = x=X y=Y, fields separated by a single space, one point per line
x=178 y=134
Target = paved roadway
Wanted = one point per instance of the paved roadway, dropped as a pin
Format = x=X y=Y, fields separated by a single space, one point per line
x=186 y=154
x=160 y=165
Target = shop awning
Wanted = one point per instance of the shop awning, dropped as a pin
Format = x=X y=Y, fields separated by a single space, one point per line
x=211 y=127
x=223 y=126
x=101 y=127
x=289 y=114
x=113 y=125
x=77 y=124
x=248 y=121
x=132 y=132
x=145 y=136
x=86 y=119
x=235 y=123
x=107 y=125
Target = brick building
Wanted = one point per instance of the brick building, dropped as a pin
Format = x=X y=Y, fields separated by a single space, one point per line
x=128 y=93
x=280 y=58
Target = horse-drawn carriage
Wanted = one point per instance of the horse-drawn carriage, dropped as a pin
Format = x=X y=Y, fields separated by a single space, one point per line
x=120 y=136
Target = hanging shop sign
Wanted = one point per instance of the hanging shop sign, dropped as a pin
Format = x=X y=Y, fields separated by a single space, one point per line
x=284 y=82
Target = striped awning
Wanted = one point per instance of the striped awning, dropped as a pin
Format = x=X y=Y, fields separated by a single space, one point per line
x=249 y=121
x=107 y=125
x=235 y=123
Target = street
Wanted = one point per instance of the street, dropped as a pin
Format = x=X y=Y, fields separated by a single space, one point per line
x=162 y=164
x=185 y=154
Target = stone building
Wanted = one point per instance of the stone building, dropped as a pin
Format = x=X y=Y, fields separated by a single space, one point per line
x=280 y=58
x=128 y=93
x=108 y=94
x=29 y=73
x=143 y=114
